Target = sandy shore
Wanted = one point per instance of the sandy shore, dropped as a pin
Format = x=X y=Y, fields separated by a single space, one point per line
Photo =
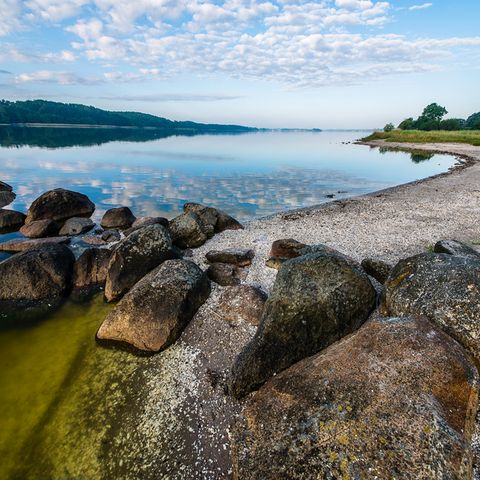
x=389 y=224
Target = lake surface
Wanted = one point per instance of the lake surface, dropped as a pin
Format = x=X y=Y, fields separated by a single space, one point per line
x=248 y=175
x=61 y=395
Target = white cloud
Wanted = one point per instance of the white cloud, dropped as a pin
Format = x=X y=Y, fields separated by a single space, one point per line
x=423 y=6
x=47 y=76
x=9 y=16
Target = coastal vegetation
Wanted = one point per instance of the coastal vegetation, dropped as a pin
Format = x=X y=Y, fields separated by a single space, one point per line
x=57 y=113
x=472 y=137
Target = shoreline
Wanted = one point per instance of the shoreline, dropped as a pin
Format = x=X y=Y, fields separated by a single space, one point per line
x=389 y=224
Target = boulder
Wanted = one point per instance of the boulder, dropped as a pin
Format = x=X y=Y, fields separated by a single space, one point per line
x=216 y=219
x=134 y=257
x=6 y=194
x=395 y=400
x=275 y=262
x=224 y=274
x=226 y=222
x=40 y=229
x=94 y=240
x=316 y=300
x=111 y=235
x=90 y=271
x=145 y=221
x=454 y=247
x=188 y=231
x=376 y=268
x=241 y=303
x=10 y=220
x=121 y=217
x=60 y=205
x=22 y=245
x=35 y=282
x=287 y=248
x=236 y=256
x=76 y=226
x=445 y=288
x=154 y=313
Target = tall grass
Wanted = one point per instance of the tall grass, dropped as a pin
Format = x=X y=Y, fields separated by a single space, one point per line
x=471 y=137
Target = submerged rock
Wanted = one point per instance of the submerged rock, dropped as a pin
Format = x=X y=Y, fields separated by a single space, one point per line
x=154 y=313
x=316 y=300
x=236 y=256
x=40 y=229
x=35 y=282
x=188 y=231
x=21 y=245
x=90 y=271
x=454 y=247
x=10 y=220
x=76 y=226
x=445 y=288
x=397 y=399
x=60 y=205
x=121 y=217
x=134 y=257
x=6 y=194
x=378 y=269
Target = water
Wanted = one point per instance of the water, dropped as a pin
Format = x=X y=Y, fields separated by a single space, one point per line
x=59 y=391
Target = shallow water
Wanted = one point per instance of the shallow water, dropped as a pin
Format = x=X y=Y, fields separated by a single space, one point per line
x=58 y=389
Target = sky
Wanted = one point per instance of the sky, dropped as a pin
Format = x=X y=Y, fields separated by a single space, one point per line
x=277 y=63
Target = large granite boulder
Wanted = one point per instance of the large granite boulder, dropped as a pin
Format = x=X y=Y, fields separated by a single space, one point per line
x=134 y=257
x=6 y=194
x=121 y=217
x=445 y=288
x=23 y=244
x=189 y=231
x=395 y=400
x=154 y=313
x=35 y=282
x=454 y=247
x=60 y=205
x=213 y=217
x=40 y=229
x=90 y=271
x=316 y=300
x=76 y=226
x=10 y=220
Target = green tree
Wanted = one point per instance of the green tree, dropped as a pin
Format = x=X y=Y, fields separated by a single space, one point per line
x=434 y=112
x=473 y=121
x=388 y=127
x=407 y=124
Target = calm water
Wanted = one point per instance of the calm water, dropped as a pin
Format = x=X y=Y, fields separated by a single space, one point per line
x=59 y=392
x=248 y=175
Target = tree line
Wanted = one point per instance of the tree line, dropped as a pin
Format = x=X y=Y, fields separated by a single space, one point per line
x=432 y=118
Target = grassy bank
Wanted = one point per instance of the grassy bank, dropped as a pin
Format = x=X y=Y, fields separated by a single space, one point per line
x=471 y=137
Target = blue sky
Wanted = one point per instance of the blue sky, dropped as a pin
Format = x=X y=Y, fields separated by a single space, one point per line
x=275 y=63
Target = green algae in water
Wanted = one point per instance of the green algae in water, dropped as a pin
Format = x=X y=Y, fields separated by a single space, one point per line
x=58 y=393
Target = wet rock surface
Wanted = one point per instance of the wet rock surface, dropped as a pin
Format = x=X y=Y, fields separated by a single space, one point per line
x=376 y=268
x=134 y=257
x=21 y=245
x=121 y=217
x=60 y=205
x=35 y=282
x=396 y=399
x=236 y=256
x=155 y=312
x=76 y=226
x=40 y=229
x=316 y=300
x=445 y=288
x=10 y=220
x=90 y=272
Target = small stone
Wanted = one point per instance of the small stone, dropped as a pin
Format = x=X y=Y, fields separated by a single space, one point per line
x=111 y=235
x=275 y=262
x=76 y=226
x=40 y=229
x=236 y=256
x=287 y=248
x=121 y=217
x=224 y=273
x=94 y=240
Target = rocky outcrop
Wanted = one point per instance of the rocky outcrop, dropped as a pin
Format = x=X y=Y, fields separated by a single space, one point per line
x=6 y=194
x=454 y=247
x=10 y=220
x=134 y=257
x=445 y=288
x=90 y=271
x=35 y=282
x=396 y=399
x=60 y=205
x=121 y=217
x=76 y=226
x=155 y=312
x=22 y=245
x=242 y=303
x=224 y=274
x=188 y=231
x=376 y=268
x=40 y=229
x=241 y=257
x=316 y=300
